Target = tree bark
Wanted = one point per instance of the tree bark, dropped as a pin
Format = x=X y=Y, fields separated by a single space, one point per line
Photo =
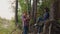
x=56 y=9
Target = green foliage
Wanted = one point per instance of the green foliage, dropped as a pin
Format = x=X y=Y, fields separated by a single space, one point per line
x=6 y=26
x=23 y=5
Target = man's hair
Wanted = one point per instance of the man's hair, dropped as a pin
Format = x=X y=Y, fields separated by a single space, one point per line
x=47 y=9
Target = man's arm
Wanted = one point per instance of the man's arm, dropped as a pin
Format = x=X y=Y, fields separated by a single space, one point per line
x=46 y=16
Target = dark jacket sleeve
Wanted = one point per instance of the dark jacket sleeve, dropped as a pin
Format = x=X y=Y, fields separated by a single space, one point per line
x=46 y=16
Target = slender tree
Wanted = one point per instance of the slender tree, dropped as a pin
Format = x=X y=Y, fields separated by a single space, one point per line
x=16 y=13
x=34 y=10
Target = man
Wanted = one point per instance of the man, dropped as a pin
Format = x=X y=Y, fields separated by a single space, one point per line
x=44 y=18
x=25 y=20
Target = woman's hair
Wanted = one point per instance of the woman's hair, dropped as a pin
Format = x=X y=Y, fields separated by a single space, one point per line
x=24 y=13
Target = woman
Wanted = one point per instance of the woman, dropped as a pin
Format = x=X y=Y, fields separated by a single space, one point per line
x=25 y=20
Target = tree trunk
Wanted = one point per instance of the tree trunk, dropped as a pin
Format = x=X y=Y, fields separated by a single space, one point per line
x=29 y=7
x=34 y=13
x=55 y=9
x=16 y=13
x=34 y=10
